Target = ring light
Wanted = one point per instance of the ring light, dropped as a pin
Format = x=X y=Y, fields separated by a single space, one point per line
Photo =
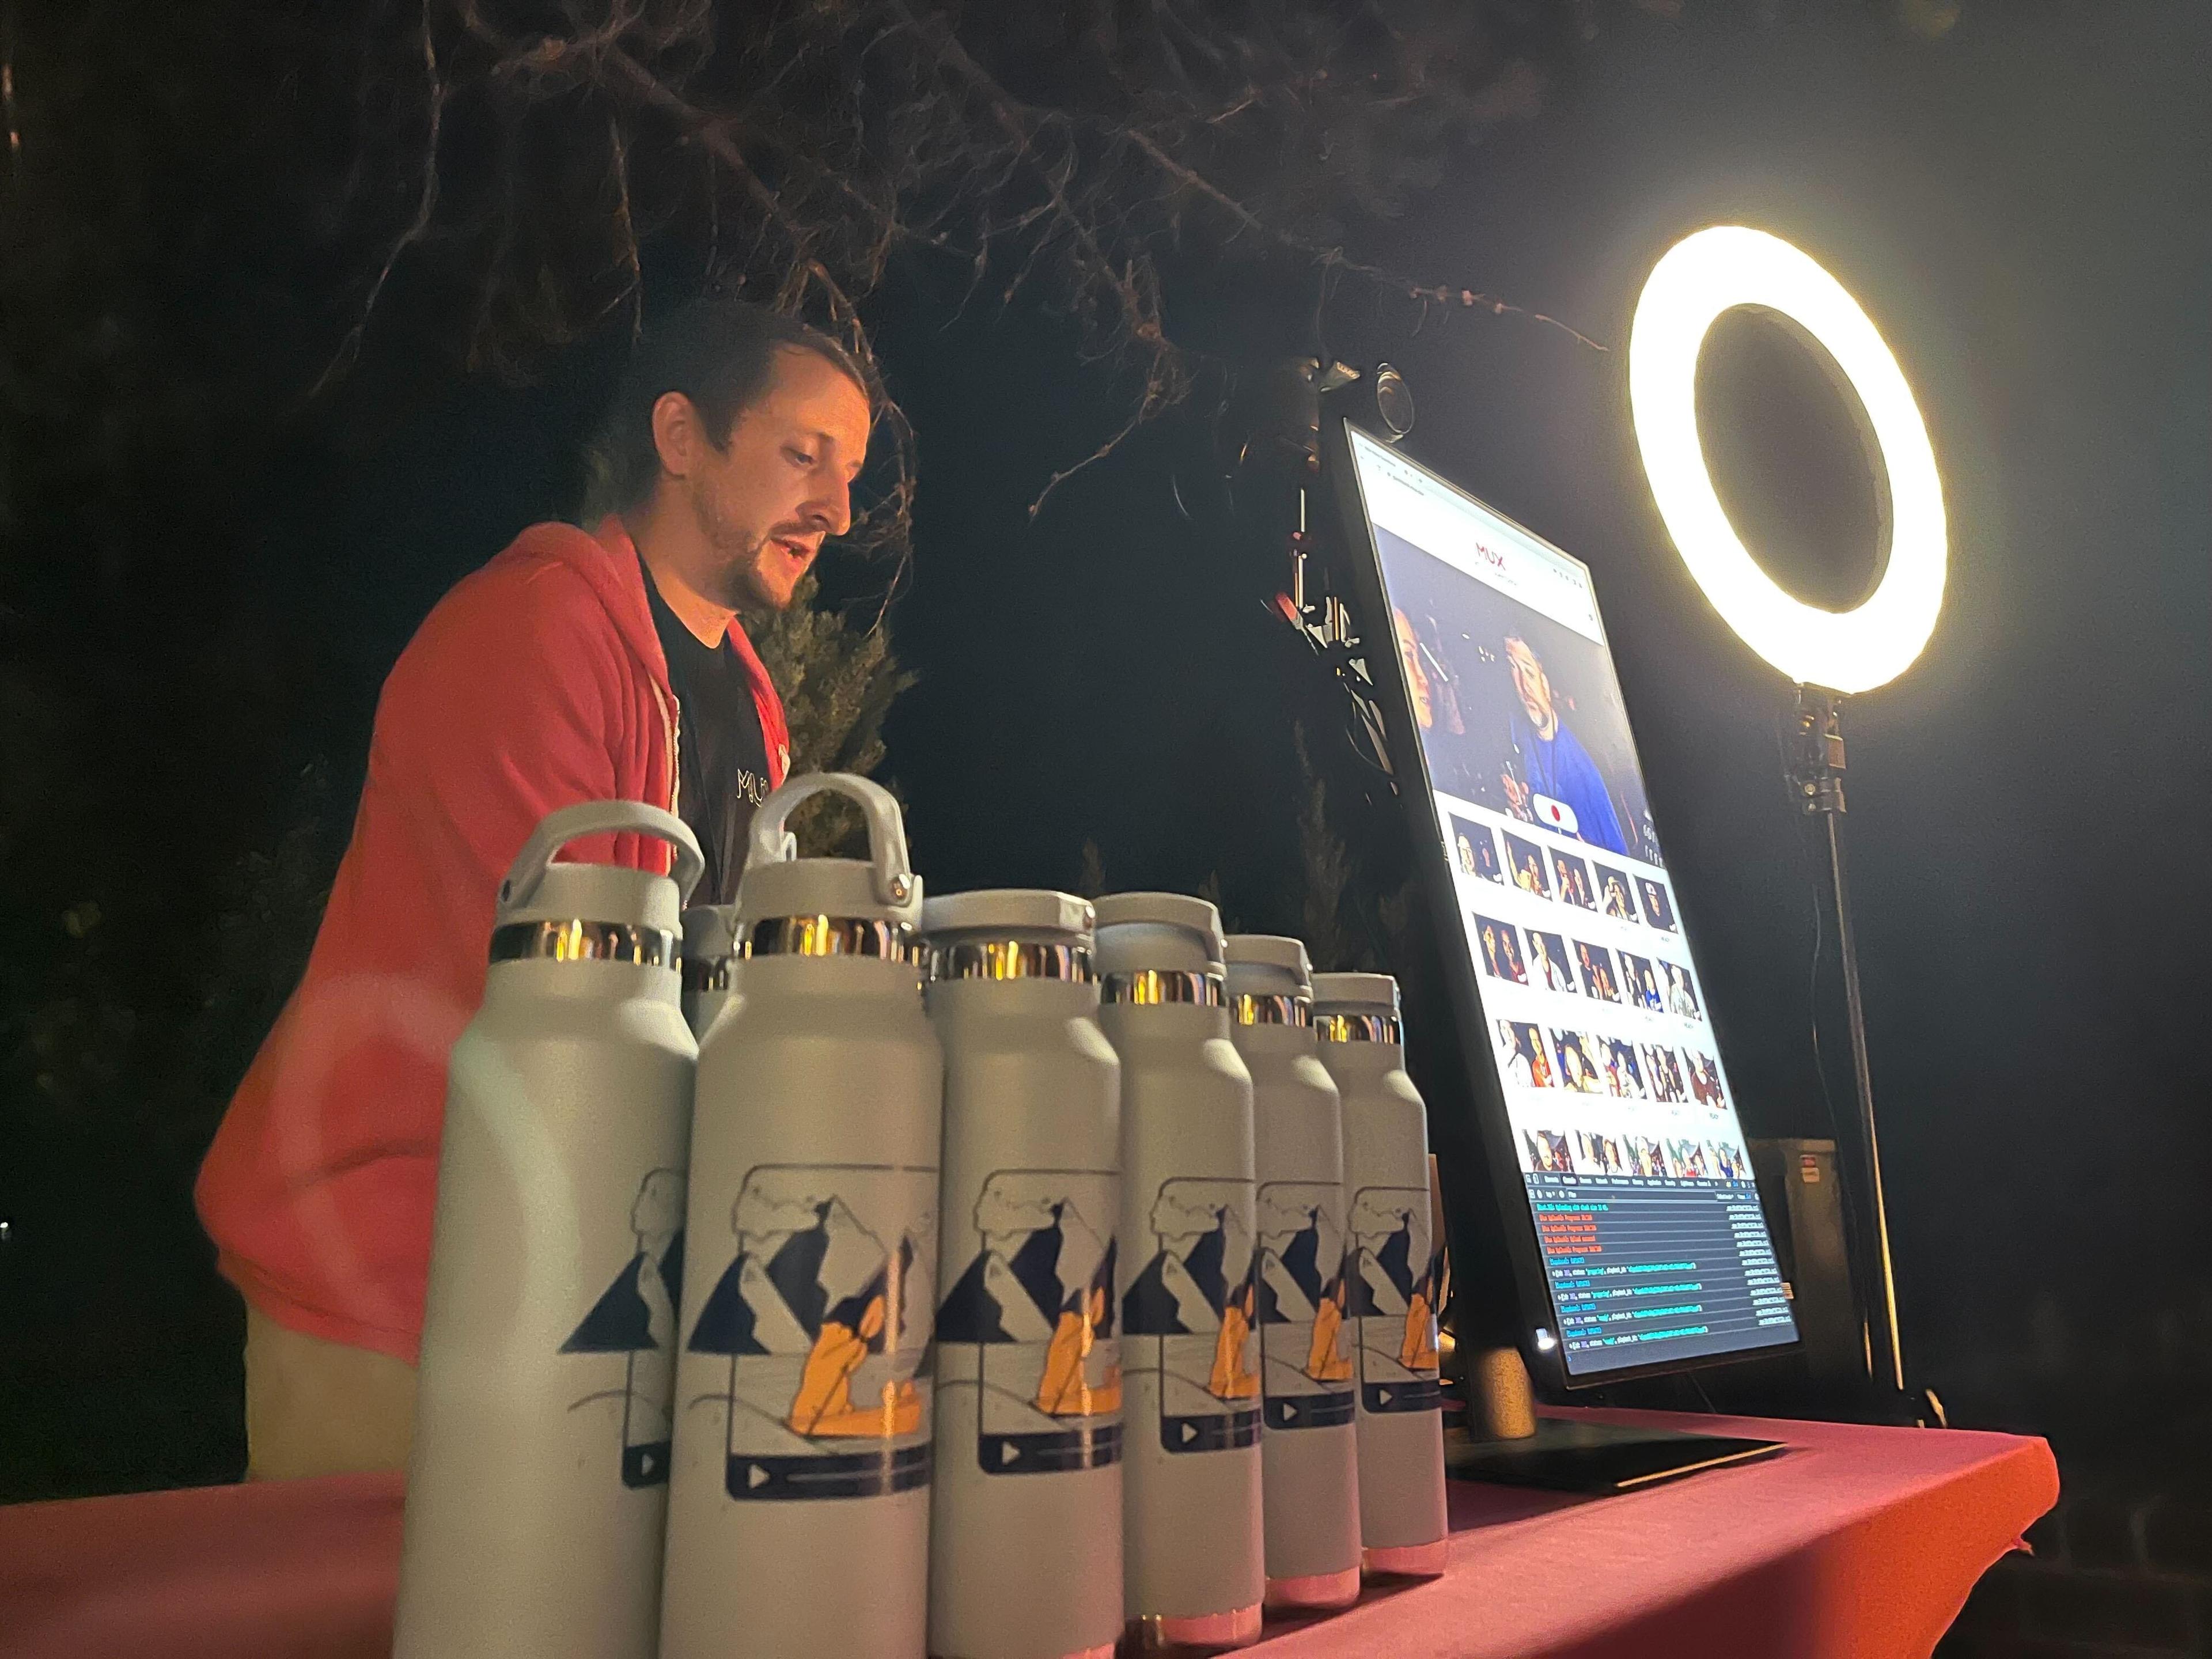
x=1701 y=276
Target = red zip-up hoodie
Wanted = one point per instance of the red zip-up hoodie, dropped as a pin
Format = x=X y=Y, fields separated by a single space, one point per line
x=537 y=682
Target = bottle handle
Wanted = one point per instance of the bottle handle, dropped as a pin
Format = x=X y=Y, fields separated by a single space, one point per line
x=601 y=817
x=770 y=844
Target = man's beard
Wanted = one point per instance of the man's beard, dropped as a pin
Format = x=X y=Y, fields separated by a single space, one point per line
x=736 y=584
x=737 y=549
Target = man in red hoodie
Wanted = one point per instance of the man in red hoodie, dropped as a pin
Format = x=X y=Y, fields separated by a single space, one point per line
x=575 y=666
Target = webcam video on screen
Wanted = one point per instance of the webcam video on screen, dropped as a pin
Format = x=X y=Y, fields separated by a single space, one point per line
x=1517 y=712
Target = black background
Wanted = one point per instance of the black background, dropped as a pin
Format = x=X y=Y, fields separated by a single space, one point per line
x=2019 y=205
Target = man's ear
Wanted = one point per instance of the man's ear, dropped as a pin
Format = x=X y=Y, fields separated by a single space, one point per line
x=677 y=433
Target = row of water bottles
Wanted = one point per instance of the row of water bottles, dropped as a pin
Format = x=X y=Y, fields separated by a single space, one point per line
x=1004 y=1277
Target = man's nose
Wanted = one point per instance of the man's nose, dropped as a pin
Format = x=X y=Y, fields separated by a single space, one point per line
x=832 y=510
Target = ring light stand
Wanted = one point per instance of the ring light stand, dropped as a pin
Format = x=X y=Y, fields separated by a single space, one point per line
x=1827 y=654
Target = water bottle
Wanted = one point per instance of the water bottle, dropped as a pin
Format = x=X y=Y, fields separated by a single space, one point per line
x=1309 y=1447
x=799 y=1503
x=1397 y=1263
x=1193 y=1569
x=1025 y=1524
x=710 y=942
x=537 y=1488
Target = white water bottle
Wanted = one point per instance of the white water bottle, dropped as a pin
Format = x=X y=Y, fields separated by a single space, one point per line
x=1397 y=1265
x=1025 y=1527
x=1310 y=1446
x=536 y=1486
x=798 y=1506
x=1192 y=1558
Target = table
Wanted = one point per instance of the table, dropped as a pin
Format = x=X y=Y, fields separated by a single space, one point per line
x=1856 y=1540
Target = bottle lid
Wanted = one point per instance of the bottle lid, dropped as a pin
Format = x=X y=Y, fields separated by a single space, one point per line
x=1276 y=951
x=710 y=933
x=1009 y=911
x=1355 y=991
x=1140 y=931
x=1356 y=1008
x=1269 y=980
x=780 y=889
x=823 y=887
x=576 y=912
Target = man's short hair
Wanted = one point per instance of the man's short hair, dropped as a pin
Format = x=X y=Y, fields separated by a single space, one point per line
x=720 y=352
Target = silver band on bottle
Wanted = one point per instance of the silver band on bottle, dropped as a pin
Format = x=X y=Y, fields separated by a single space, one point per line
x=830 y=936
x=584 y=941
x=1356 y=1027
x=1249 y=1010
x=1147 y=986
x=1011 y=958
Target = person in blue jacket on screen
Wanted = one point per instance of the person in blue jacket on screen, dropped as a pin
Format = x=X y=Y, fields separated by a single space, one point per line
x=1552 y=759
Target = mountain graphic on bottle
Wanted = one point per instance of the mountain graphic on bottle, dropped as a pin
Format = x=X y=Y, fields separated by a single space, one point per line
x=766 y=1305
x=1294 y=1290
x=1026 y=1342
x=1013 y=1293
x=1196 y=1298
x=1394 y=1288
x=635 y=1317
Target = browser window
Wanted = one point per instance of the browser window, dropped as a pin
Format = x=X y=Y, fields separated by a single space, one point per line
x=1618 y=1108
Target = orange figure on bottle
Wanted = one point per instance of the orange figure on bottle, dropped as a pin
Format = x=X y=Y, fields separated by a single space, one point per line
x=1326 y=1360
x=1418 y=1351
x=1064 y=1391
x=823 y=1409
x=1229 y=1380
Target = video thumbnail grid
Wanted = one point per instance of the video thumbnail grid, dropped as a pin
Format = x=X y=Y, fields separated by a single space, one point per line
x=1595 y=1013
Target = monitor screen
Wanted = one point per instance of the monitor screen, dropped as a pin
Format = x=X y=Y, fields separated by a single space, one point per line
x=1639 y=1186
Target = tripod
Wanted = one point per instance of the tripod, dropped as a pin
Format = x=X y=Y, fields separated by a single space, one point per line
x=1815 y=773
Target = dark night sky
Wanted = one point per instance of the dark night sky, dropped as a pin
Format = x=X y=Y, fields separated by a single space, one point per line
x=2021 y=206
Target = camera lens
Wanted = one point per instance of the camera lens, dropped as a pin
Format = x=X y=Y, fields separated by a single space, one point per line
x=1393 y=400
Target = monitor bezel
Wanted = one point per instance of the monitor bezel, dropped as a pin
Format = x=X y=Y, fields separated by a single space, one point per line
x=1362 y=562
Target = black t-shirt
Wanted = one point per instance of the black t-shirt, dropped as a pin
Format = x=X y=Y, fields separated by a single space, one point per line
x=722 y=766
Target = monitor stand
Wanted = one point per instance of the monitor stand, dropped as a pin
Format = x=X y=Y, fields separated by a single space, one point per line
x=1509 y=1444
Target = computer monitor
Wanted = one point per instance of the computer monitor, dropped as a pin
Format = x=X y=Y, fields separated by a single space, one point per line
x=1634 y=1221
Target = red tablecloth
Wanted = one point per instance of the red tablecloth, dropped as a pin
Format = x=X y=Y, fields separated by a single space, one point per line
x=1857 y=1541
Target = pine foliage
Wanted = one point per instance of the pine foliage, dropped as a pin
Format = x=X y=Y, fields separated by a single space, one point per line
x=838 y=682
x=1352 y=922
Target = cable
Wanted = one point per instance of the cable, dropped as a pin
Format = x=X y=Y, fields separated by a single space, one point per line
x=1698 y=1383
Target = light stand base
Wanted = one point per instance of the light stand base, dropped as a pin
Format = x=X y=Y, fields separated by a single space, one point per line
x=1506 y=1442
x=1599 y=1458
